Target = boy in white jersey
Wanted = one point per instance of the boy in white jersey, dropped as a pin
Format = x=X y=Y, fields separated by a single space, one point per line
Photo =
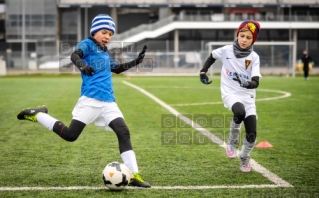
x=97 y=102
x=239 y=78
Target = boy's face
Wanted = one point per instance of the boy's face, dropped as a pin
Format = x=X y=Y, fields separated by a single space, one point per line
x=103 y=37
x=245 y=38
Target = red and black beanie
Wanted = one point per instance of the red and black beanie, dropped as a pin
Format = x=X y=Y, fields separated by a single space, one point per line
x=253 y=26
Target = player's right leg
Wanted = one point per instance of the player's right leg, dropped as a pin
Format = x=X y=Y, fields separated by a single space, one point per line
x=83 y=114
x=40 y=114
x=233 y=140
x=239 y=112
x=31 y=113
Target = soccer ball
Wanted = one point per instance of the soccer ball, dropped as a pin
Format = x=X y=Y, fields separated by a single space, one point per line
x=116 y=176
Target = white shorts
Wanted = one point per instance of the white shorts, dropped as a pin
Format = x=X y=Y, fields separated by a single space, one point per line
x=88 y=110
x=246 y=100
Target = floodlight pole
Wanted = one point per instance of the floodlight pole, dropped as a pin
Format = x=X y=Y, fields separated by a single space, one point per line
x=294 y=52
x=176 y=48
x=23 y=35
x=79 y=25
x=291 y=66
x=86 y=27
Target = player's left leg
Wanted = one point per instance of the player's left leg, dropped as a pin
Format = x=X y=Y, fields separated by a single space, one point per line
x=112 y=119
x=248 y=143
x=306 y=74
x=120 y=128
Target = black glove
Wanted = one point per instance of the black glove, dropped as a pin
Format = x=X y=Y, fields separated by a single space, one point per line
x=86 y=70
x=141 y=55
x=204 y=79
x=242 y=81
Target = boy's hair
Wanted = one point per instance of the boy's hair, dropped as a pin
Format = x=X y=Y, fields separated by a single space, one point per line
x=252 y=26
x=102 y=22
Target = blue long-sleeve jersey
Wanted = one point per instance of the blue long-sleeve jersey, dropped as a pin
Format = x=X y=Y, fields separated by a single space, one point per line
x=100 y=85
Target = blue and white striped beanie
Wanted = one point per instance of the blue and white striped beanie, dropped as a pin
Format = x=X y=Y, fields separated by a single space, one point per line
x=102 y=22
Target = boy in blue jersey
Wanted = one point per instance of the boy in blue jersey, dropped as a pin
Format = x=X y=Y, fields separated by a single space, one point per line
x=97 y=103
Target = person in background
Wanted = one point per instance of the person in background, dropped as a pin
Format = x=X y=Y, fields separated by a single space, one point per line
x=306 y=60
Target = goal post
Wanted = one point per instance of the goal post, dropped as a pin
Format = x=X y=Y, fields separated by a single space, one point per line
x=274 y=55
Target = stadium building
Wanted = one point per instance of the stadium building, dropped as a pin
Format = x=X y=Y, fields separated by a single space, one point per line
x=179 y=33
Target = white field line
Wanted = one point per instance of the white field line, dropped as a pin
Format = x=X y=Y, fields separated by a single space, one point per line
x=196 y=104
x=181 y=87
x=134 y=188
x=257 y=167
x=284 y=95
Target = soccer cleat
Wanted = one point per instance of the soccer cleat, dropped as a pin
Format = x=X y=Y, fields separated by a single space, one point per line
x=137 y=181
x=231 y=149
x=30 y=113
x=244 y=164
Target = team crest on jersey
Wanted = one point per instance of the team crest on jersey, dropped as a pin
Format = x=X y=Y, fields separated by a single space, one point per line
x=247 y=63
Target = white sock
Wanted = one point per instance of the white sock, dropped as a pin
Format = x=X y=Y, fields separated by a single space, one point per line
x=246 y=148
x=234 y=131
x=46 y=120
x=129 y=160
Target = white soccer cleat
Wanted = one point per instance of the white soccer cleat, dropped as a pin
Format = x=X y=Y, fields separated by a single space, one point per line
x=245 y=164
x=231 y=149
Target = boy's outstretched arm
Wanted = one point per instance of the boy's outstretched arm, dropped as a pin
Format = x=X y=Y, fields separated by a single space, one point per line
x=125 y=66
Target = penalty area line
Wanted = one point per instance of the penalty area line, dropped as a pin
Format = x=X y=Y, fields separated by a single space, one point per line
x=136 y=188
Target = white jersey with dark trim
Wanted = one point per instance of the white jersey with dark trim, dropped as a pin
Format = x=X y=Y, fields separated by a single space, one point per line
x=246 y=67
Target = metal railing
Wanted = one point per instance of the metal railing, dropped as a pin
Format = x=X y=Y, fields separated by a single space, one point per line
x=226 y=18
x=144 y=27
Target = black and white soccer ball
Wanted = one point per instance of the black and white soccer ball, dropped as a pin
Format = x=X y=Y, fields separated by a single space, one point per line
x=116 y=176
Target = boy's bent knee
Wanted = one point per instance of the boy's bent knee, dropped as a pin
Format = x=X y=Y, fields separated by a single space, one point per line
x=71 y=133
x=239 y=112
x=70 y=136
